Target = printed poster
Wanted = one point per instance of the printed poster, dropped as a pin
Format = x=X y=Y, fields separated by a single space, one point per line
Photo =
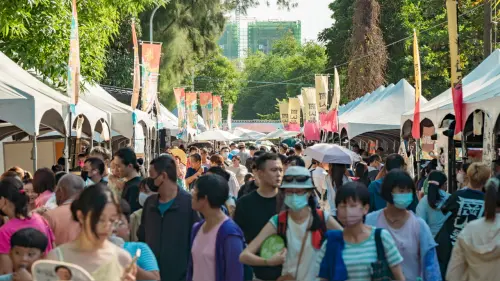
x=73 y=86
x=294 y=114
x=150 y=70
x=311 y=126
x=180 y=99
x=283 y=107
x=192 y=110
x=217 y=111
x=206 y=109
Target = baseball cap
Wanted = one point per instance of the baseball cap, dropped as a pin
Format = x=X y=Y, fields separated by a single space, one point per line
x=297 y=177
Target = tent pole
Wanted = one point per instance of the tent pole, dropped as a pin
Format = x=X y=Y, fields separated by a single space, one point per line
x=68 y=141
x=35 y=153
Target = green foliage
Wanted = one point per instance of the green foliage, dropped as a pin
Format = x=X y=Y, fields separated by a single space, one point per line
x=35 y=33
x=398 y=19
x=220 y=77
x=288 y=61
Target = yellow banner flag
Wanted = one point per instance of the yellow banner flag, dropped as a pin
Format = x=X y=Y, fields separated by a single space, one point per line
x=294 y=114
x=283 y=106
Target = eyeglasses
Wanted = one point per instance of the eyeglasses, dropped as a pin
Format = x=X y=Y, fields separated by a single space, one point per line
x=296 y=178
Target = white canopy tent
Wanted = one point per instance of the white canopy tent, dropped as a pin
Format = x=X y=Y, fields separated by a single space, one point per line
x=216 y=135
x=246 y=134
x=378 y=111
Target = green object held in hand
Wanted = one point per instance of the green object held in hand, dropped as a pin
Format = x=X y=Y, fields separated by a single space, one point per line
x=272 y=245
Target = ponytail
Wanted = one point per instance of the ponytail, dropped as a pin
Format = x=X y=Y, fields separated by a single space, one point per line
x=436 y=180
x=492 y=198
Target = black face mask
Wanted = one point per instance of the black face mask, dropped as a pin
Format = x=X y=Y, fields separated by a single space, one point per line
x=84 y=175
x=151 y=184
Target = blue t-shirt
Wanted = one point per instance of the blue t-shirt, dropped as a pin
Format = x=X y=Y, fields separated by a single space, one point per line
x=190 y=172
x=147 y=261
x=6 y=277
x=163 y=207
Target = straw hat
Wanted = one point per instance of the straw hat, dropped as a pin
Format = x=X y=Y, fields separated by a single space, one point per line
x=176 y=152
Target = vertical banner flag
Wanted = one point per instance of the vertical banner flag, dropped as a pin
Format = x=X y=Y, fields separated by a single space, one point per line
x=332 y=119
x=283 y=107
x=229 y=116
x=150 y=70
x=192 y=110
x=415 y=130
x=321 y=82
x=180 y=99
x=137 y=74
x=294 y=114
x=73 y=85
x=311 y=124
x=217 y=111
x=456 y=71
x=206 y=109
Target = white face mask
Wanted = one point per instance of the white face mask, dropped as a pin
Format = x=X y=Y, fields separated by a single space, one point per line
x=225 y=155
x=142 y=198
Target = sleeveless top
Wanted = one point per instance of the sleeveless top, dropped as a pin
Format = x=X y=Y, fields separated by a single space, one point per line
x=110 y=271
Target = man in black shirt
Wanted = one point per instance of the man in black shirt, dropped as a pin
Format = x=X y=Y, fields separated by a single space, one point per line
x=254 y=210
x=126 y=162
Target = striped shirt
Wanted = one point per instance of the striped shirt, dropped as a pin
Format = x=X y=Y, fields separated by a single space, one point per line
x=359 y=257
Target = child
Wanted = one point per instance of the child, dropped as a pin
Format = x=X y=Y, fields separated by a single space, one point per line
x=27 y=245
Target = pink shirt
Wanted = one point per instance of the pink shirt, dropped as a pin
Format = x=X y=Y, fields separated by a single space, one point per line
x=203 y=253
x=61 y=221
x=35 y=221
x=42 y=198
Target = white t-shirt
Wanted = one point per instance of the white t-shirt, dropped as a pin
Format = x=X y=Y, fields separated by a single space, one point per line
x=309 y=267
x=331 y=193
x=319 y=176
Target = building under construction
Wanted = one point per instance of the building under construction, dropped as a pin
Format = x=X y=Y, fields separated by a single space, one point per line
x=246 y=36
x=263 y=34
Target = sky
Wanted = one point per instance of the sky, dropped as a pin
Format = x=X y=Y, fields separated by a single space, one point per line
x=314 y=15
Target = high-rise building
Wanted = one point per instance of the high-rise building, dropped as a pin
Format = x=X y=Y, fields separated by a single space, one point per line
x=229 y=42
x=263 y=34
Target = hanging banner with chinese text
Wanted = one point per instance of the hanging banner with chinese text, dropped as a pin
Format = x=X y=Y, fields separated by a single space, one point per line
x=311 y=123
x=217 y=112
x=73 y=85
x=321 y=82
x=294 y=114
x=192 y=110
x=206 y=109
x=229 y=116
x=283 y=107
x=180 y=99
x=150 y=70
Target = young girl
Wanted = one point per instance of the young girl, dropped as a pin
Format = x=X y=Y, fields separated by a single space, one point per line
x=412 y=235
x=429 y=207
x=97 y=211
x=357 y=243
x=305 y=224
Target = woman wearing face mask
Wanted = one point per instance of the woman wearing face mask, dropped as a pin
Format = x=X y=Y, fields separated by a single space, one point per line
x=412 y=235
x=429 y=208
x=135 y=218
x=181 y=161
x=357 y=243
x=335 y=179
x=97 y=211
x=301 y=226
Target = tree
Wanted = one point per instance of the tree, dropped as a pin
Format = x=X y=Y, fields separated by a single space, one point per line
x=398 y=18
x=36 y=34
x=220 y=77
x=287 y=61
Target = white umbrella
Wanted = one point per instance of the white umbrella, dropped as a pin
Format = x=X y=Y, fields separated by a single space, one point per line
x=216 y=135
x=332 y=153
x=279 y=134
x=246 y=134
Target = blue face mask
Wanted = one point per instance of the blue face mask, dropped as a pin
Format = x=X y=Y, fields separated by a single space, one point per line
x=296 y=202
x=402 y=200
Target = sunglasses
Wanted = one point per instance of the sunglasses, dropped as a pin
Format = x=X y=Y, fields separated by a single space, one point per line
x=296 y=178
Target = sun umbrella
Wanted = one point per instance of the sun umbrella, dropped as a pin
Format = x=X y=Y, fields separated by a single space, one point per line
x=279 y=134
x=246 y=134
x=332 y=153
x=216 y=135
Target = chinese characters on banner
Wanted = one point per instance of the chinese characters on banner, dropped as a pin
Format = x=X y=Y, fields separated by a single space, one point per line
x=192 y=110
x=321 y=82
x=137 y=74
x=294 y=114
x=217 y=111
x=150 y=69
x=180 y=99
x=415 y=130
x=311 y=124
x=206 y=109
x=283 y=107
x=73 y=85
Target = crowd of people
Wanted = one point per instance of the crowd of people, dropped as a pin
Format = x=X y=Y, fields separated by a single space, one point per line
x=250 y=213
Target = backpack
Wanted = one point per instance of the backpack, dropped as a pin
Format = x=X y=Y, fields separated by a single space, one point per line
x=317 y=236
